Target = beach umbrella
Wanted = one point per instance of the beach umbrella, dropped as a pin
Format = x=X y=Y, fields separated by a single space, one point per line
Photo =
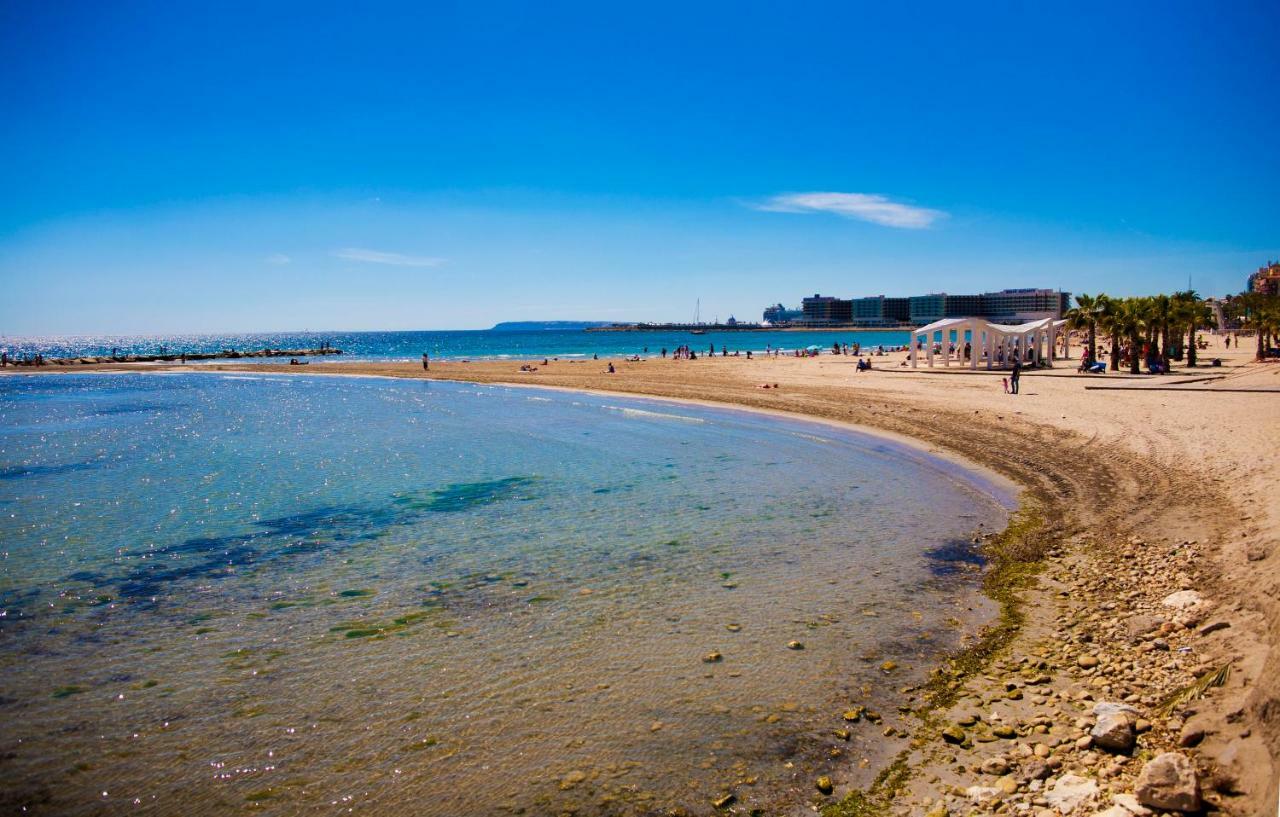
x=814 y=348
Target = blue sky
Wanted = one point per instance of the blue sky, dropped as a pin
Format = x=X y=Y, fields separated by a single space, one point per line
x=219 y=167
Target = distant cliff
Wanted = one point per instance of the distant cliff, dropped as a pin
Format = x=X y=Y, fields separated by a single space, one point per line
x=536 y=326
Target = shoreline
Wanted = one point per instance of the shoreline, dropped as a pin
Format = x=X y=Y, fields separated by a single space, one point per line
x=1070 y=490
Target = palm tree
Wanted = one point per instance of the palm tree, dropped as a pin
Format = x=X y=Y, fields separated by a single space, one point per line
x=1130 y=320
x=1195 y=314
x=1085 y=316
x=1107 y=323
x=1162 y=315
x=1260 y=315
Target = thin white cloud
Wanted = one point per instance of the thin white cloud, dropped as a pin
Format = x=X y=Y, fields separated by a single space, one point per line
x=279 y=259
x=394 y=259
x=863 y=206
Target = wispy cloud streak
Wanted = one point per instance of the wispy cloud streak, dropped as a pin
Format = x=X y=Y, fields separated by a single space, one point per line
x=870 y=207
x=394 y=259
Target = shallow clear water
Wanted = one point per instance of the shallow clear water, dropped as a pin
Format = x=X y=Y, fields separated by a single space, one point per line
x=293 y=593
x=480 y=344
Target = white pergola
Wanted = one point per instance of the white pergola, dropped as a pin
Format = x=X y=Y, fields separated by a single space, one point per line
x=988 y=341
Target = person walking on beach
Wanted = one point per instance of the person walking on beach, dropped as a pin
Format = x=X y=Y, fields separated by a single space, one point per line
x=1015 y=375
x=426 y=362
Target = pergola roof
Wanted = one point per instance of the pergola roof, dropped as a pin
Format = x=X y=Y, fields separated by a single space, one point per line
x=988 y=340
x=982 y=323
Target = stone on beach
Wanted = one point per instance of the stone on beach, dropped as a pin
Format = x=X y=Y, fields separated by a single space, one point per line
x=1114 y=731
x=1070 y=791
x=1183 y=599
x=1169 y=782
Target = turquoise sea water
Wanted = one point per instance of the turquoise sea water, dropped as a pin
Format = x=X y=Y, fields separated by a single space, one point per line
x=474 y=345
x=284 y=594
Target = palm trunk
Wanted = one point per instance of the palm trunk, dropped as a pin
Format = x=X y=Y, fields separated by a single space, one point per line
x=1260 y=355
x=1135 y=353
x=1191 y=346
x=1093 y=342
x=1115 y=351
x=1164 y=344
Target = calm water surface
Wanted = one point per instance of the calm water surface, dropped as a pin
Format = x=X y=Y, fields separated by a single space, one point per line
x=239 y=593
x=478 y=345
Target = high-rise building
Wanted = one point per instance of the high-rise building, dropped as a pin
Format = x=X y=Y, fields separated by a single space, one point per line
x=1005 y=306
x=928 y=308
x=1021 y=305
x=897 y=309
x=827 y=309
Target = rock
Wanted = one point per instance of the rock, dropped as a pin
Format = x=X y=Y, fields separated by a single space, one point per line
x=889 y=666
x=795 y=645
x=1038 y=770
x=824 y=784
x=1006 y=732
x=1111 y=708
x=1141 y=625
x=982 y=794
x=1130 y=804
x=572 y=779
x=854 y=715
x=725 y=801
x=1007 y=785
x=1084 y=743
x=1191 y=735
x=712 y=657
x=995 y=766
x=1088 y=661
x=1169 y=782
x=1114 y=731
x=1042 y=750
x=1070 y=791
x=939 y=810
x=1183 y=599
x=953 y=734
x=1256 y=551
x=1213 y=627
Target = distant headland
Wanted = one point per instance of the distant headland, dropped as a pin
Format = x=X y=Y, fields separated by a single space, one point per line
x=536 y=326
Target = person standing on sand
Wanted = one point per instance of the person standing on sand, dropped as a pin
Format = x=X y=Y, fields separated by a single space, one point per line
x=426 y=362
x=1016 y=375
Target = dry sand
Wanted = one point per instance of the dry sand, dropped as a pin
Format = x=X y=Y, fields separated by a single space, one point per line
x=1146 y=485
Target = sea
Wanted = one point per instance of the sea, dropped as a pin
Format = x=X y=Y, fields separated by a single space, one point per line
x=454 y=345
x=240 y=593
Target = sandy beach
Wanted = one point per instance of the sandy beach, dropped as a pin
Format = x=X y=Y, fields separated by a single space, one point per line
x=1145 y=558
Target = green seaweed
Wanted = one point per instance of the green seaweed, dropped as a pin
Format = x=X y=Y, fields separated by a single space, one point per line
x=356 y=593
x=68 y=691
x=419 y=745
x=463 y=496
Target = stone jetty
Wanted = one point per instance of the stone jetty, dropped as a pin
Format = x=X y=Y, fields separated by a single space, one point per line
x=172 y=357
